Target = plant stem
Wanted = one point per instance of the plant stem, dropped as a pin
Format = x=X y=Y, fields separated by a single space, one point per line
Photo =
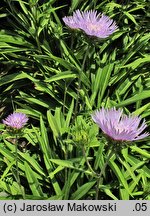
x=87 y=162
x=17 y=168
x=98 y=176
x=66 y=169
x=79 y=81
x=64 y=99
x=16 y=154
x=102 y=172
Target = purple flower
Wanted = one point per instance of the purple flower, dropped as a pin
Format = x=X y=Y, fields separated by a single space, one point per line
x=16 y=120
x=118 y=126
x=93 y=24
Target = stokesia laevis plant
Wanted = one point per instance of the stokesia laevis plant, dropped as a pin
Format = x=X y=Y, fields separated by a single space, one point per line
x=92 y=23
x=118 y=128
x=16 y=122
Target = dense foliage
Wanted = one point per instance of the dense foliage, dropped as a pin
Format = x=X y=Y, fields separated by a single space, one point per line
x=58 y=77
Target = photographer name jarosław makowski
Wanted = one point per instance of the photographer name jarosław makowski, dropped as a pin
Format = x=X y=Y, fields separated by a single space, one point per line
x=69 y=207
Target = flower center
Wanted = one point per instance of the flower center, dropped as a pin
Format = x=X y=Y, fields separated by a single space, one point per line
x=93 y=27
x=120 y=127
x=16 y=121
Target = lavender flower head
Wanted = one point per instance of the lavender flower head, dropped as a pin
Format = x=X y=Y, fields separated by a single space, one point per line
x=118 y=126
x=16 y=120
x=92 y=23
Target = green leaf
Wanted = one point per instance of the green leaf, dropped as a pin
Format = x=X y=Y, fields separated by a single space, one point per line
x=139 y=96
x=62 y=75
x=6 y=153
x=137 y=62
x=110 y=194
x=6 y=171
x=124 y=194
x=63 y=163
x=131 y=17
x=11 y=188
x=27 y=157
x=129 y=169
x=11 y=78
x=69 y=114
x=119 y=175
x=33 y=181
x=100 y=83
x=140 y=151
x=82 y=190
x=53 y=124
x=47 y=154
